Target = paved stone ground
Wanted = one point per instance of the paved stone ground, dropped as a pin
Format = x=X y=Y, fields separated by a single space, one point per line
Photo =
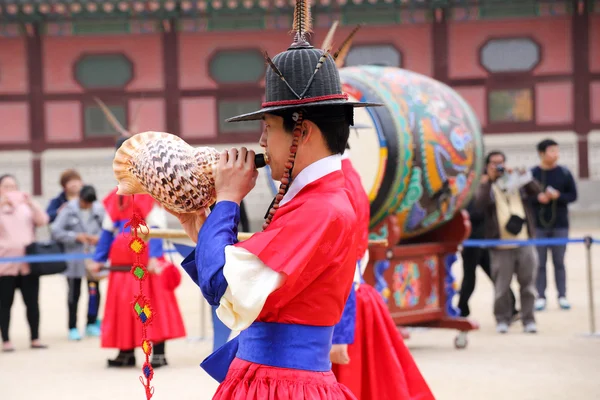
x=560 y=362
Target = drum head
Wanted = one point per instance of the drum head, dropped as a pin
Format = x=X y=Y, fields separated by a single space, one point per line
x=367 y=153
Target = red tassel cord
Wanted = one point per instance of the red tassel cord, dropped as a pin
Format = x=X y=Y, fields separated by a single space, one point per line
x=141 y=305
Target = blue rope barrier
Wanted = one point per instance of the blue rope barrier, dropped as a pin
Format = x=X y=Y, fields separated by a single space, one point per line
x=529 y=242
x=57 y=257
x=466 y=243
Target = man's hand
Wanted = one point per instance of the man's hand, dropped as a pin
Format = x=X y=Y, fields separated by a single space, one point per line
x=552 y=193
x=339 y=354
x=235 y=175
x=93 y=239
x=543 y=198
x=14 y=199
x=82 y=238
x=27 y=199
x=95 y=267
x=5 y=201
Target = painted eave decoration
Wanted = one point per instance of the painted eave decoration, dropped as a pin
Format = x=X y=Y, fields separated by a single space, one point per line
x=35 y=9
x=48 y=10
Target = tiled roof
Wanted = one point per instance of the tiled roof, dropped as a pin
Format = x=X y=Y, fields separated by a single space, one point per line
x=39 y=10
x=73 y=8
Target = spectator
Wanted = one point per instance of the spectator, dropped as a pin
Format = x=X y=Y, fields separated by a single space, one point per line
x=70 y=181
x=78 y=226
x=474 y=256
x=19 y=216
x=552 y=218
x=509 y=216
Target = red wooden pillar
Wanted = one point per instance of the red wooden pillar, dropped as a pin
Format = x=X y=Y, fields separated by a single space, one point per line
x=171 y=76
x=37 y=122
x=581 y=81
x=439 y=37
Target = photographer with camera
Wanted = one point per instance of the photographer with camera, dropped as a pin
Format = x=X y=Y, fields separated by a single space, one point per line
x=503 y=196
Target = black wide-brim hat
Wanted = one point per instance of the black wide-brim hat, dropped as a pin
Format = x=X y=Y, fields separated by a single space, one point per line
x=301 y=77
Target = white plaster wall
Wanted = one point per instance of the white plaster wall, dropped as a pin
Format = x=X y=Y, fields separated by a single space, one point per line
x=18 y=163
x=95 y=166
x=594 y=154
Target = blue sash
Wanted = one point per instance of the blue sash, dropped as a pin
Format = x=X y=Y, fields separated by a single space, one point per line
x=277 y=345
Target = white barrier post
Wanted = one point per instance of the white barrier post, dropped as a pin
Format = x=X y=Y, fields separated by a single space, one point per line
x=588 y=250
x=203 y=319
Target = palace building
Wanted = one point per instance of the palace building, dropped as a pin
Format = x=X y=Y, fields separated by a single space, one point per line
x=529 y=69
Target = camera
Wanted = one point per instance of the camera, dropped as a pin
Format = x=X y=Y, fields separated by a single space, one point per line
x=500 y=169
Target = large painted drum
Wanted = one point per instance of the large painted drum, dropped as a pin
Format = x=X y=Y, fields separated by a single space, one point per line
x=420 y=157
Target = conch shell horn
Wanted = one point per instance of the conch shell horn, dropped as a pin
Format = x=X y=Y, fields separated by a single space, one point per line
x=174 y=173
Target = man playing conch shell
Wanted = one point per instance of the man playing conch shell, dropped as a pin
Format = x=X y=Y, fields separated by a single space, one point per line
x=284 y=288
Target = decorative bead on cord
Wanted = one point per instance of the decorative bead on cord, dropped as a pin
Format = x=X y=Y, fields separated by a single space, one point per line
x=286 y=179
x=141 y=305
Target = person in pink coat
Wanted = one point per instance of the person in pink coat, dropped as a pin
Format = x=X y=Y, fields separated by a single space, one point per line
x=19 y=216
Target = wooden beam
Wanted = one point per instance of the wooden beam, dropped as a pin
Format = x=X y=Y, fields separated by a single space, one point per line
x=581 y=81
x=439 y=36
x=180 y=234
x=37 y=122
x=170 y=41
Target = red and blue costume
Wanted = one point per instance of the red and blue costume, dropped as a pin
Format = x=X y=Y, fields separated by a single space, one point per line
x=121 y=328
x=301 y=268
x=381 y=366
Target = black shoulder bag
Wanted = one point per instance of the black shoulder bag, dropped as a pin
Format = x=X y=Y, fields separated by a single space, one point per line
x=514 y=225
x=41 y=248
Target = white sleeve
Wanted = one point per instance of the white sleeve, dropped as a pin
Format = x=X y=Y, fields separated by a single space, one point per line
x=250 y=282
x=364 y=262
x=107 y=223
x=362 y=266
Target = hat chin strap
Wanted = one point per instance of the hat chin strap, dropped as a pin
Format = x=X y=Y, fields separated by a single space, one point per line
x=287 y=172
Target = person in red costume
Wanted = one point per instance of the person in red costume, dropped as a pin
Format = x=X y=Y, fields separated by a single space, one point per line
x=285 y=287
x=121 y=328
x=368 y=353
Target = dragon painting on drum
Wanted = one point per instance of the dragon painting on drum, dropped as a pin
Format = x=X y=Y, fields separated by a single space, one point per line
x=430 y=147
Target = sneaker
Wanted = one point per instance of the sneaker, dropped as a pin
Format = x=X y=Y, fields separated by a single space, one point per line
x=74 y=334
x=123 y=360
x=158 y=360
x=92 y=330
x=540 y=304
x=530 y=327
x=7 y=347
x=502 y=327
x=564 y=303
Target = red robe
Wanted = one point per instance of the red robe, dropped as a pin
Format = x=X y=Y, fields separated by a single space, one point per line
x=381 y=366
x=311 y=240
x=121 y=327
x=361 y=204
